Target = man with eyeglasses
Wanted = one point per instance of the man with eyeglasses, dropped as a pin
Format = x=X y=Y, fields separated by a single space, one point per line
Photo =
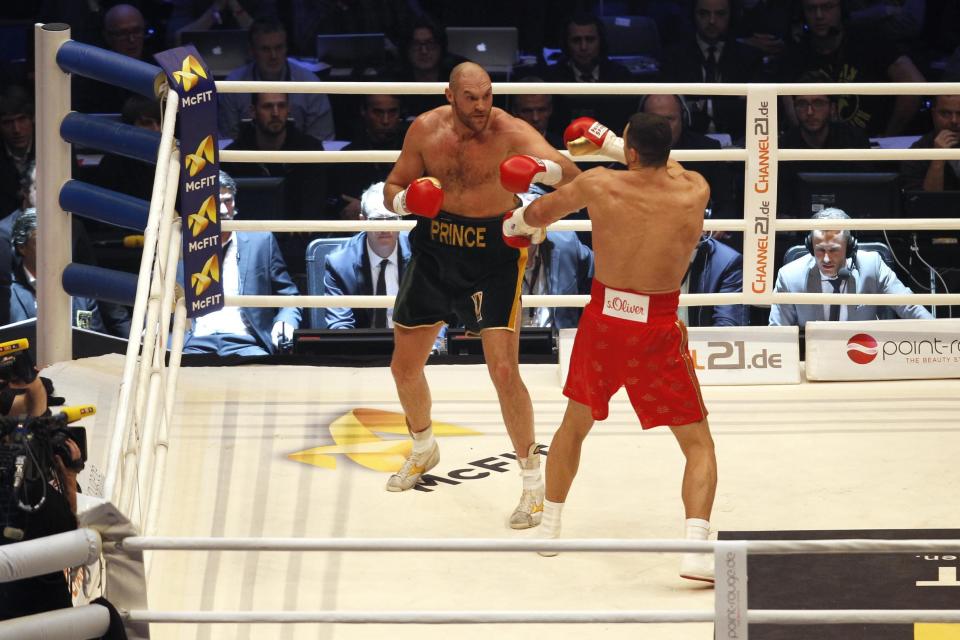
x=816 y=129
x=124 y=31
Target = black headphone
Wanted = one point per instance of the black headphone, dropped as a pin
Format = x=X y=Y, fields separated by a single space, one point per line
x=685 y=116
x=834 y=214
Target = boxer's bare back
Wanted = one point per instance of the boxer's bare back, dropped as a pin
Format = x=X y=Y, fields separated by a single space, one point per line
x=646 y=222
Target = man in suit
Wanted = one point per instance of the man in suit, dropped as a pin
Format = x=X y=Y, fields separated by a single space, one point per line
x=714 y=268
x=252 y=265
x=836 y=266
x=370 y=263
x=23 y=293
x=585 y=59
x=560 y=265
x=713 y=55
x=724 y=193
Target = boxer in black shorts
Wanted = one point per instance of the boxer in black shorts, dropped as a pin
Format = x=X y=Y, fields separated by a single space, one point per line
x=462 y=266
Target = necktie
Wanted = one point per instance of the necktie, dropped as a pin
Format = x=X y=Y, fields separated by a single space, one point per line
x=835 y=308
x=710 y=65
x=380 y=315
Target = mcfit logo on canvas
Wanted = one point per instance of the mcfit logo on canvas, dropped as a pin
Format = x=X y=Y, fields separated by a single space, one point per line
x=357 y=435
x=862 y=348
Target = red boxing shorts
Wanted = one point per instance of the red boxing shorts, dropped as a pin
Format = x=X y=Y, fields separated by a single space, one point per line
x=634 y=339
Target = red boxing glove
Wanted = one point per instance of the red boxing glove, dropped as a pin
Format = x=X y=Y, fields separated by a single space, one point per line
x=586 y=136
x=517 y=233
x=423 y=197
x=517 y=173
x=587 y=128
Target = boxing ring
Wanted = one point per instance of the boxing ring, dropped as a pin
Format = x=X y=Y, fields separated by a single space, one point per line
x=252 y=515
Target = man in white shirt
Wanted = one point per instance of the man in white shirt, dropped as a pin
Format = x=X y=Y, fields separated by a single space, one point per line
x=252 y=265
x=369 y=263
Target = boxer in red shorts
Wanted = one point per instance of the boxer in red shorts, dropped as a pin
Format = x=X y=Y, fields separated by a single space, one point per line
x=646 y=223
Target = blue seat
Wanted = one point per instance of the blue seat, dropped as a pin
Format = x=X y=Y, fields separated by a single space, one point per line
x=317 y=252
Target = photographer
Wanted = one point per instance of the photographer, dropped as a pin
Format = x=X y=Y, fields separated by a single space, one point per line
x=39 y=463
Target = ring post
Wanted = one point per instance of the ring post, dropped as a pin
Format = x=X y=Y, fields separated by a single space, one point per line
x=55 y=230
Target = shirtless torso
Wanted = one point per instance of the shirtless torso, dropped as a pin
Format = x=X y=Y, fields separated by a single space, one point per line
x=646 y=222
x=467 y=162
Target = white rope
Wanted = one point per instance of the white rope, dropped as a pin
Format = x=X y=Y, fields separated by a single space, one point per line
x=603 y=545
x=595 y=88
x=867 y=154
x=760 y=616
x=686 y=300
x=349 y=227
x=328 y=157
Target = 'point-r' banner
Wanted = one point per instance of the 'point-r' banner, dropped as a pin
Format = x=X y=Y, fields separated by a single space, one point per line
x=192 y=81
x=760 y=194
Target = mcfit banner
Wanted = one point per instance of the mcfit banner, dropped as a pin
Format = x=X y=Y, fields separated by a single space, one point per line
x=192 y=81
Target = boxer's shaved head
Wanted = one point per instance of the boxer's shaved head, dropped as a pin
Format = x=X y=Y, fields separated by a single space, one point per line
x=470 y=93
x=466 y=72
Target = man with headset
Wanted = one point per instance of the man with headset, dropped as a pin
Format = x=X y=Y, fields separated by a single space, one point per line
x=836 y=265
x=723 y=196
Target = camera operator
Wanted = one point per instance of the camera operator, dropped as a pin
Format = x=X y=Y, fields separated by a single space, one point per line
x=39 y=464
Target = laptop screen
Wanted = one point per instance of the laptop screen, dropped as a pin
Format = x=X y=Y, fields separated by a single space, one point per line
x=490 y=47
x=222 y=49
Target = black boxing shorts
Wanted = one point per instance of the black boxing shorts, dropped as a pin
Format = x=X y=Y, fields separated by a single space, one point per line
x=460 y=267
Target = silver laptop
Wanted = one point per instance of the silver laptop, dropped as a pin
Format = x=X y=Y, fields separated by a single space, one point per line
x=222 y=49
x=493 y=48
x=351 y=49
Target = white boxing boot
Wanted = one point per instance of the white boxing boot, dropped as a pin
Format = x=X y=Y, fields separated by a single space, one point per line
x=530 y=510
x=697 y=566
x=425 y=456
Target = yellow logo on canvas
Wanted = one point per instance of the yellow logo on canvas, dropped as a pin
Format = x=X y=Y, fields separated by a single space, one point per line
x=207 y=276
x=199 y=221
x=197 y=160
x=357 y=436
x=190 y=73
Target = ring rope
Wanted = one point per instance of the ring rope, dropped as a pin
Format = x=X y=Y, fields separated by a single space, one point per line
x=601 y=545
x=682 y=155
x=756 y=616
x=594 y=88
x=686 y=300
x=352 y=226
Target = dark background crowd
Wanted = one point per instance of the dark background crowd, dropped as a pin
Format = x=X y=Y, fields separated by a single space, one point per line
x=644 y=41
